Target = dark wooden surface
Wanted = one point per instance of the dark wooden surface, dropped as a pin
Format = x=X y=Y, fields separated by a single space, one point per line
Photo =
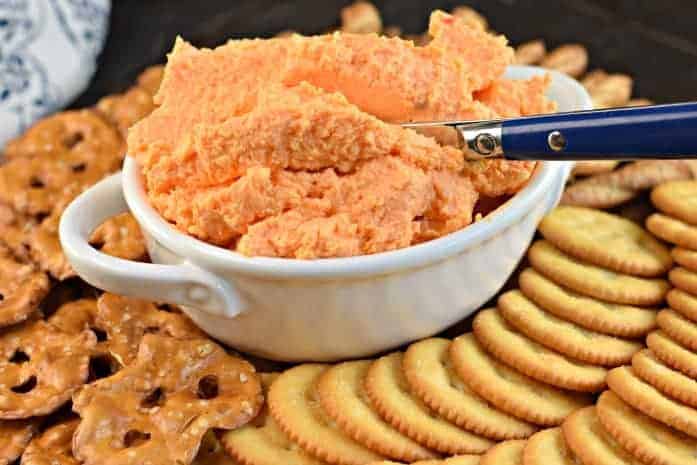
x=653 y=40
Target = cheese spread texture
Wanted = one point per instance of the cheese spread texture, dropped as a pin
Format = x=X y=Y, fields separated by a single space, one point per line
x=290 y=147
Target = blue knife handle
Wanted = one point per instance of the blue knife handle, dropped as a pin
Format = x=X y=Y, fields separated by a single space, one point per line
x=655 y=132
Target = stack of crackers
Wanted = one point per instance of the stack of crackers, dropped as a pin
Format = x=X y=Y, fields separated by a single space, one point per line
x=520 y=388
x=558 y=373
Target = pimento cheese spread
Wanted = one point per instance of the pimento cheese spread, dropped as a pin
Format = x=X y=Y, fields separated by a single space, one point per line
x=290 y=147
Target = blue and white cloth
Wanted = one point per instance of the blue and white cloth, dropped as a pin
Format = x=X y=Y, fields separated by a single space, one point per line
x=48 y=55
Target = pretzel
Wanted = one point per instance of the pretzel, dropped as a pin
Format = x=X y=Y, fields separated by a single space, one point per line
x=571 y=59
x=120 y=236
x=79 y=131
x=471 y=17
x=120 y=324
x=627 y=182
x=608 y=90
x=530 y=53
x=158 y=409
x=53 y=446
x=22 y=287
x=361 y=18
x=43 y=242
x=14 y=437
x=591 y=167
x=34 y=186
x=124 y=110
x=40 y=368
x=71 y=148
x=14 y=231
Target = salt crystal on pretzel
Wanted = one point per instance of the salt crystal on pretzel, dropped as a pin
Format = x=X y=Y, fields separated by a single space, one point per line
x=53 y=446
x=158 y=409
x=22 y=287
x=14 y=438
x=120 y=236
x=121 y=322
x=40 y=368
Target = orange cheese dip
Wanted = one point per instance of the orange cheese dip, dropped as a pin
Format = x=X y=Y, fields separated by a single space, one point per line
x=289 y=147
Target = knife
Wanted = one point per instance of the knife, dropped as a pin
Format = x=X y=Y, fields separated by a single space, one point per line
x=635 y=133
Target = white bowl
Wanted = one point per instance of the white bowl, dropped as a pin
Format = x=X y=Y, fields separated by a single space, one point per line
x=329 y=309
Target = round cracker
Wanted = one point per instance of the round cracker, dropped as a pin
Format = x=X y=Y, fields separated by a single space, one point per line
x=505 y=453
x=650 y=441
x=548 y=447
x=562 y=336
x=342 y=397
x=646 y=398
x=683 y=303
x=672 y=230
x=294 y=404
x=606 y=240
x=670 y=382
x=533 y=359
x=678 y=328
x=388 y=391
x=594 y=281
x=431 y=378
x=678 y=199
x=261 y=442
x=509 y=390
x=596 y=315
x=684 y=279
x=685 y=257
x=672 y=353
x=589 y=441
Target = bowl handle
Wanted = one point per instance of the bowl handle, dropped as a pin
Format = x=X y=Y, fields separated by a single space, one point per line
x=184 y=284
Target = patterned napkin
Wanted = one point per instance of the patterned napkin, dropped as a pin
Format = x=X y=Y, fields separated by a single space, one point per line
x=48 y=54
